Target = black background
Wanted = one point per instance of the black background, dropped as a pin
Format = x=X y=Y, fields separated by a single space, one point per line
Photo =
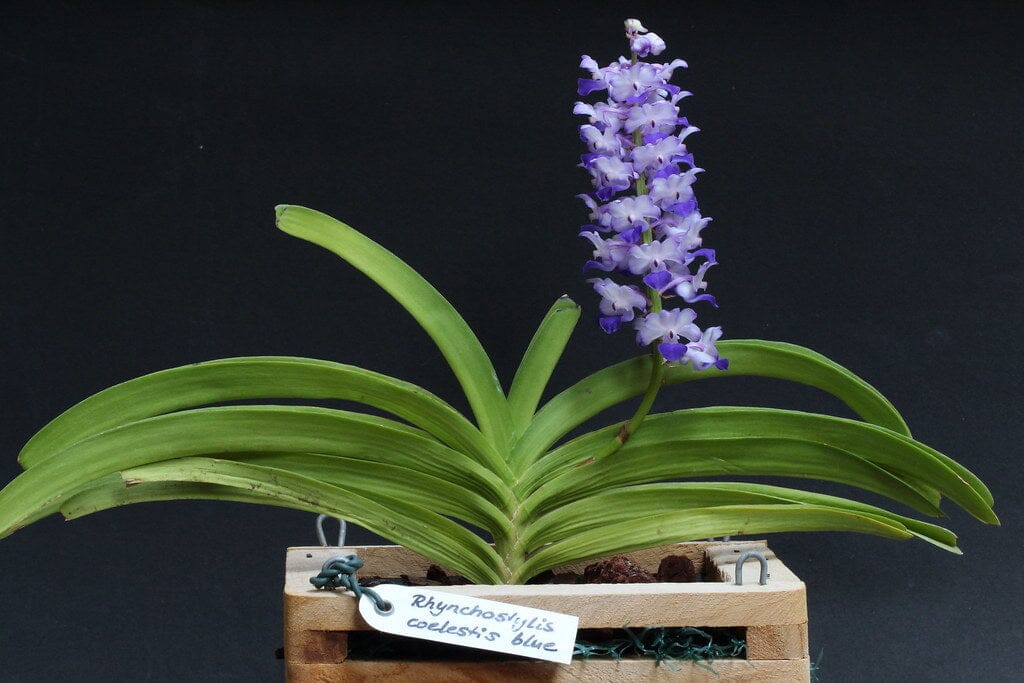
x=864 y=170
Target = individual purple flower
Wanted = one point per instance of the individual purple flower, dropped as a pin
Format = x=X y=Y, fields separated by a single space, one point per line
x=626 y=213
x=684 y=230
x=585 y=86
x=688 y=288
x=610 y=175
x=670 y=326
x=654 y=117
x=633 y=83
x=702 y=353
x=609 y=254
x=603 y=142
x=641 y=41
x=650 y=44
x=618 y=303
x=659 y=154
x=675 y=192
x=602 y=114
x=646 y=225
x=654 y=256
x=679 y=280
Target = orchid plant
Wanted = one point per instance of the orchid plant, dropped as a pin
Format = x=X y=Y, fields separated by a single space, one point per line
x=422 y=476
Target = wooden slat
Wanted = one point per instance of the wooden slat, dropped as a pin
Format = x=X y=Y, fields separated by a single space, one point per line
x=651 y=604
x=777 y=641
x=595 y=671
x=317 y=647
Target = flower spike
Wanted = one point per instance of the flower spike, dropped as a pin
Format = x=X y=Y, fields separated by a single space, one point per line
x=645 y=220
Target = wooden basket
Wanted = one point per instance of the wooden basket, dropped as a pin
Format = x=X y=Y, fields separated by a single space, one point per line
x=774 y=616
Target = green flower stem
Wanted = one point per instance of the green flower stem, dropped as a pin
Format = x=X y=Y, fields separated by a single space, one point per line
x=629 y=428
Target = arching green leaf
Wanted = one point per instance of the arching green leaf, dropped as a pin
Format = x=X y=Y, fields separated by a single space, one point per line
x=362 y=476
x=539 y=361
x=753 y=441
x=645 y=500
x=439 y=319
x=688 y=525
x=394 y=518
x=371 y=477
x=41 y=489
x=261 y=377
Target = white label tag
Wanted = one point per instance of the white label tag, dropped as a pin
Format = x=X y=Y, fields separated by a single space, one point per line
x=473 y=622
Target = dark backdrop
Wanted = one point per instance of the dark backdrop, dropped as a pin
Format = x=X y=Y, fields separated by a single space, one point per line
x=864 y=169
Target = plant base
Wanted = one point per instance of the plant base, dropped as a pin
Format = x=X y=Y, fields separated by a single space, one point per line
x=774 y=618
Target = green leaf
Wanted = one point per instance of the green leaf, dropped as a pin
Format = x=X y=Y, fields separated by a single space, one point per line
x=712 y=457
x=688 y=525
x=644 y=500
x=439 y=319
x=753 y=441
x=261 y=377
x=539 y=361
x=754 y=357
x=41 y=489
x=368 y=478
x=394 y=518
x=969 y=477
x=113 y=491
x=780 y=360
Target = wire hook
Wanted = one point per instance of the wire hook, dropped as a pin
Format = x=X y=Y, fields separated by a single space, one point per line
x=322 y=537
x=760 y=558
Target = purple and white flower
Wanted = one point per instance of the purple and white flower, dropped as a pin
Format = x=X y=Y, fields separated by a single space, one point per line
x=646 y=223
x=641 y=41
x=626 y=213
x=618 y=303
x=609 y=254
x=685 y=230
x=655 y=117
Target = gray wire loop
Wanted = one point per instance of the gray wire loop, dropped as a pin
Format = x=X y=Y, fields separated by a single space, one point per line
x=340 y=571
x=760 y=558
x=322 y=537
